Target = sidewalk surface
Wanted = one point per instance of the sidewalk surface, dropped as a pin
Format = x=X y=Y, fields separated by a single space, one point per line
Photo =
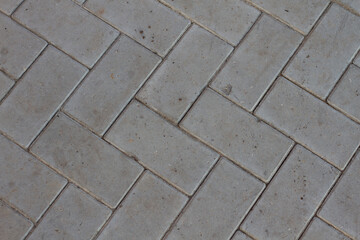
x=179 y=119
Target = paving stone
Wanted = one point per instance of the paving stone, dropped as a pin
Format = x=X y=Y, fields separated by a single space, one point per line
x=347 y=93
x=147 y=212
x=237 y=134
x=231 y=20
x=240 y=236
x=39 y=95
x=8 y=6
x=342 y=209
x=352 y=4
x=25 y=182
x=161 y=147
x=297 y=190
x=311 y=122
x=300 y=14
x=75 y=215
x=112 y=84
x=147 y=21
x=18 y=47
x=357 y=60
x=78 y=154
x=257 y=62
x=5 y=85
x=13 y=226
x=187 y=70
x=68 y=26
x=319 y=230
x=218 y=207
x=323 y=58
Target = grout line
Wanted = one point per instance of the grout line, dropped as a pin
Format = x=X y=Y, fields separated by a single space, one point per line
x=334 y=227
x=131 y=188
x=328 y=194
x=46 y=211
x=17 y=210
x=346 y=7
x=17 y=7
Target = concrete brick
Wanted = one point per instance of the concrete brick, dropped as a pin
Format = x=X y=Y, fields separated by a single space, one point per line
x=18 y=47
x=237 y=134
x=87 y=160
x=347 y=93
x=161 y=147
x=351 y=4
x=75 y=215
x=231 y=21
x=147 y=212
x=68 y=26
x=112 y=84
x=297 y=190
x=39 y=95
x=147 y=21
x=342 y=208
x=240 y=236
x=187 y=70
x=321 y=231
x=8 y=6
x=311 y=122
x=257 y=62
x=218 y=207
x=25 y=182
x=5 y=84
x=326 y=54
x=357 y=60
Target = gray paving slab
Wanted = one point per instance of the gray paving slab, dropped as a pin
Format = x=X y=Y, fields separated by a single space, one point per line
x=18 y=47
x=319 y=230
x=75 y=215
x=346 y=96
x=231 y=21
x=300 y=14
x=219 y=206
x=297 y=190
x=161 y=147
x=342 y=208
x=5 y=84
x=328 y=51
x=25 y=182
x=147 y=21
x=8 y=6
x=78 y=154
x=69 y=27
x=112 y=84
x=357 y=60
x=147 y=212
x=311 y=122
x=13 y=226
x=186 y=71
x=240 y=236
x=257 y=62
x=237 y=134
x=351 y=4
x=39 y=95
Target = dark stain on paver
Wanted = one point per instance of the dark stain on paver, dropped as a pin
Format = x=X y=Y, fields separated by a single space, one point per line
x=227 y=89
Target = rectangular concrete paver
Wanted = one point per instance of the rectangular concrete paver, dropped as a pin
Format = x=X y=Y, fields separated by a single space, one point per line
x=319 y=230
x=87 y=160
x=240 y=236
x=161 y=147
x=147 y=21
x=112 y=84
x=237 y=134
x=13 y=226
x=8 y=6
x=342 y=209
x=187 y=70
x=231 y=21
x=257 y=62
x=357 y=60
x=5 y=84
x=352 y=4
x=328 y=51
x=219 y=205
x=311 y=122
x=75 y=215
x=68 y=26
x=147 y=212
x=18 y=47
x=25 y=182
x=347 y=93
x=292 y=197
x=300 y=14
x=39 y=94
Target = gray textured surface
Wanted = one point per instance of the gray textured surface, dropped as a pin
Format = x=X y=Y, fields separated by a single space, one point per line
x=319 y=230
